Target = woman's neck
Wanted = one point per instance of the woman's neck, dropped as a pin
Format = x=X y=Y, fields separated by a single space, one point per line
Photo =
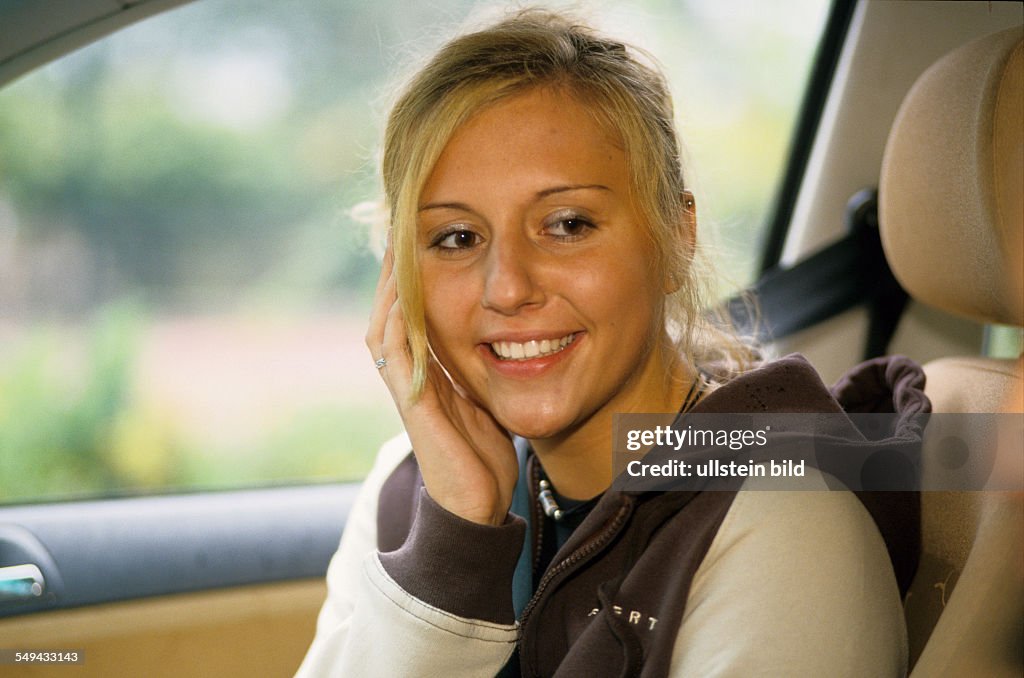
x=579 y=462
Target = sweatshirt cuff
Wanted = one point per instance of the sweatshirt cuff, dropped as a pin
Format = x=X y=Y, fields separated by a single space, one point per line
x=457 y=565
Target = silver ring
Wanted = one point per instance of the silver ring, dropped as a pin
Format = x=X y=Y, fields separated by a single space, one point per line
x=380 y=363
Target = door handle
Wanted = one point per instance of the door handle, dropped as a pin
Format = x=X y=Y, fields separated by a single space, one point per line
x=29 y=578
x=21 y=583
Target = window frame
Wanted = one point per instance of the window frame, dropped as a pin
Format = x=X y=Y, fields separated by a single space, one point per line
x=823 y=69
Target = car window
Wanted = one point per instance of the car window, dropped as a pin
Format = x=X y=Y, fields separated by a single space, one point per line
x=184 y=273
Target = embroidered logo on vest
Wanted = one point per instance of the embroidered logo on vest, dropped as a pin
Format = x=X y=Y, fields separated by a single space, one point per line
x=635 y=617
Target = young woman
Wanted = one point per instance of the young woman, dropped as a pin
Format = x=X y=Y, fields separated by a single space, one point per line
x=540 y=277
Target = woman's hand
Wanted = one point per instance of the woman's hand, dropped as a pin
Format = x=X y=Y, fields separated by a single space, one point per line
x=467 y=460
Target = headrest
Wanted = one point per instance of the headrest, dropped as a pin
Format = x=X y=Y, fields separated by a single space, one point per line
x=951 y=195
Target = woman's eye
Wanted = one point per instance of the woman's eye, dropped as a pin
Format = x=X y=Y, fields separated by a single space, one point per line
x=569 y=227
x=456 y=240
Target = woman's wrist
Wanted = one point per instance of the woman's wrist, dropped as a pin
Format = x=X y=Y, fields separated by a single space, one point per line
x=458 y=565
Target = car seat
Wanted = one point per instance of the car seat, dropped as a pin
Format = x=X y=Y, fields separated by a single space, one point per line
x=951 y=213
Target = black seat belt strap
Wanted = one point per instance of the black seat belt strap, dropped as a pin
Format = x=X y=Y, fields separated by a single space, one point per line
x=844 y=274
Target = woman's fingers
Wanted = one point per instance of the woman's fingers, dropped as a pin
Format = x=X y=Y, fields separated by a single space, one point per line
x=394 y=348
x=384 y=298
x=386 y=335
x=387 y=265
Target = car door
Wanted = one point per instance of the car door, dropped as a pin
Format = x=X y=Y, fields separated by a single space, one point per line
x=126 y=543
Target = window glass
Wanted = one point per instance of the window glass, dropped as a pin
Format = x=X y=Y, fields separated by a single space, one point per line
x=183 y=286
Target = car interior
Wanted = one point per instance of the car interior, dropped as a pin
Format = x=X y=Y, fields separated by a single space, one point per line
x=919 y=103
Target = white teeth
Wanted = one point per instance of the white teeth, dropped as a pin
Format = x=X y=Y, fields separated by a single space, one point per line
x=511 y=350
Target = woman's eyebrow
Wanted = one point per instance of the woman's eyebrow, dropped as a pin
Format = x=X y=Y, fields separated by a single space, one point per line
x=445 y=206
x=540 y=195
x=570 y=187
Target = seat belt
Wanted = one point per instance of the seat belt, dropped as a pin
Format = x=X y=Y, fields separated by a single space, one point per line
x=844 y=274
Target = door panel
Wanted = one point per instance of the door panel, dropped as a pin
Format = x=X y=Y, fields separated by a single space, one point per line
x=246 y=631
x=205 y=584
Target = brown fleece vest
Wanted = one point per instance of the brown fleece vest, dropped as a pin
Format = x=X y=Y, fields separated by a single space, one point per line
x=613 y=598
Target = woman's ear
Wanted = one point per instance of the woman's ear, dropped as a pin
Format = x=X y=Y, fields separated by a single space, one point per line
x=686 y=238
x=689 y=225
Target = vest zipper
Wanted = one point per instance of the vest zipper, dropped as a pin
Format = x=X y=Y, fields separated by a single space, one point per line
x=579 y=555
x=537 y=514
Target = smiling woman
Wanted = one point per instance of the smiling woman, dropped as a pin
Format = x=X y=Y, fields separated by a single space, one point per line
x=540 y=279
x=539 y=298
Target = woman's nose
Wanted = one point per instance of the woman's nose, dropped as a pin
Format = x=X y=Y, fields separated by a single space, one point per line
x=511 y=278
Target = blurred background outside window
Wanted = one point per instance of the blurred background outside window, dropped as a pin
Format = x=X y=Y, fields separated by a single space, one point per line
x=183 y=287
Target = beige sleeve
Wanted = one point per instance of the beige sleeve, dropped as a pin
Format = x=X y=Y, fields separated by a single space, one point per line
x=796 y=583
x=369 y=626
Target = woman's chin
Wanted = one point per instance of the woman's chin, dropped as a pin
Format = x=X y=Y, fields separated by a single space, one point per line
x=534 y=425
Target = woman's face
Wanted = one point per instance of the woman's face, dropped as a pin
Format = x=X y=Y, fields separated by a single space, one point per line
x=543 y=295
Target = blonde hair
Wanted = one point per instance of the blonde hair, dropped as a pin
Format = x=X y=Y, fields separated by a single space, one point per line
x=540 y=48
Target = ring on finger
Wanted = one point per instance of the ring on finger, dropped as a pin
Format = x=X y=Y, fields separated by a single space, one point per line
x=380 y=363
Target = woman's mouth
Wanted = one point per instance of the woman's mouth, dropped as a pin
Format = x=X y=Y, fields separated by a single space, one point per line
x=529 y=350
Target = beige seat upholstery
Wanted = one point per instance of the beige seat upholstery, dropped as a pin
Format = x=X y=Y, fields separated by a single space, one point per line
x=952 y=217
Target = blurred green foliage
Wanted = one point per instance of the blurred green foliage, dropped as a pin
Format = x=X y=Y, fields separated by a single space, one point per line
x=67 y=432
x=56 y=426
x=162 y=200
